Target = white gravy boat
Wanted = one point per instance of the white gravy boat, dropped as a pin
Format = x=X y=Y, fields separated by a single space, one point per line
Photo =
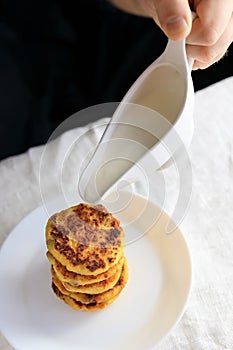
x=151 y=124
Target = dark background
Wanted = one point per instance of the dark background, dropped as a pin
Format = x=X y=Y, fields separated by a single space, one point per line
x=58 y=57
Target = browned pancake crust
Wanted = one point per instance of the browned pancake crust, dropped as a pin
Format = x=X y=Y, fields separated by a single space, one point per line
x=78 y=305
x=76 y=279
x=87 y=302
x=86 y=239
x=95 y=288
x=98 y=298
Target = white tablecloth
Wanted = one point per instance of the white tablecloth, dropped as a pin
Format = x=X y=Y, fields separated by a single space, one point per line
x=208 y=225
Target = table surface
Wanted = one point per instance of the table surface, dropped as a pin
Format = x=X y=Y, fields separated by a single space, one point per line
x=208 y=226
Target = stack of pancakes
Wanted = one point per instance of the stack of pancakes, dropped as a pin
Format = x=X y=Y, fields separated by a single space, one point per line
x=86 y=252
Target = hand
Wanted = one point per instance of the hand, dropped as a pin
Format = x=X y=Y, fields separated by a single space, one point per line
x=212 y=32
x=172 y=16
x=208 y=37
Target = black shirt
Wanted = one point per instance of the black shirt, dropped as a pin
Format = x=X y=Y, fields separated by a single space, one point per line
x=58 y=57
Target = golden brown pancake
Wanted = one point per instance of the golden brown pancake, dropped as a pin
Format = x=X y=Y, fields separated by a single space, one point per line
x=76 y=279
x=78 y=305
x=95 y=288
x=98 y=298
x=87 y=302
x=87 y=240
x=86 y=252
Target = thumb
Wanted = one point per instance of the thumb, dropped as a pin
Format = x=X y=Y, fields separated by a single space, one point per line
x=174 y=17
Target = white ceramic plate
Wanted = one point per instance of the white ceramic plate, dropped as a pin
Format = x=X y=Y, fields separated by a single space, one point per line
x=153 y=301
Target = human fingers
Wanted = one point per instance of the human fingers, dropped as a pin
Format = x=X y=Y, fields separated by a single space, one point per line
x=213 y=17
x=204 y=56
x=173 y=17
x=211 y=32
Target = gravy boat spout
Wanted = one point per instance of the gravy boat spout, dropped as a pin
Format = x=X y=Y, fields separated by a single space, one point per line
x=152 y=123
